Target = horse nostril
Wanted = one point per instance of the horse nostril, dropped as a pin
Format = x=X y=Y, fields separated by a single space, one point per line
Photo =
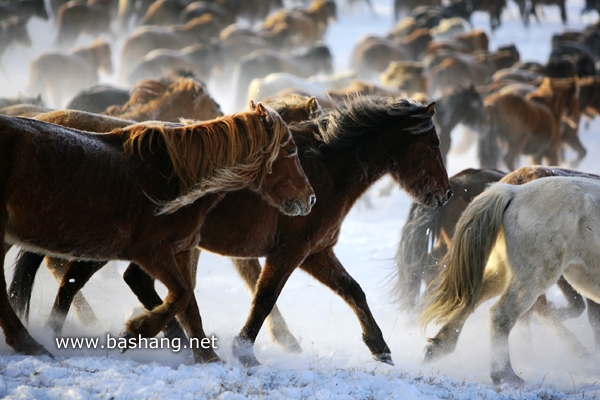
x=312 y=199
x=448 y=194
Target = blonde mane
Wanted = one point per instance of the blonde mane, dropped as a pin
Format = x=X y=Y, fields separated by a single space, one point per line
x=224 y=154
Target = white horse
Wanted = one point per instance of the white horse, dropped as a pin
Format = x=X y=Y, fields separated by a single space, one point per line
x=317 y=85
x=528 y=236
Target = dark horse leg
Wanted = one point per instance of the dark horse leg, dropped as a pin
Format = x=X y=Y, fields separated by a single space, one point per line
x=327 y=269
x=77 y=274
x=175 y=271
x=15 y=333
x=249 y=270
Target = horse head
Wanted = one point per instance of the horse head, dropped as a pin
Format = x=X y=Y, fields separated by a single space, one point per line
x=285 y=186
x=418 y=167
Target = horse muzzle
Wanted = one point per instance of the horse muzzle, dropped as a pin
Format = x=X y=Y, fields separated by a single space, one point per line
x=296 y=207
x=439 y=201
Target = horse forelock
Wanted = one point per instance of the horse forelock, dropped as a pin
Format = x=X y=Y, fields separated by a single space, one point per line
x=228 y=153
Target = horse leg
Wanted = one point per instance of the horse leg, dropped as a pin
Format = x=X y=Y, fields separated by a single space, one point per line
x=249 y=270
x=571 y=138
x=550 y=318
x=76 y=276
x=503 y=316
x=594 y=318
x=15 y=333
x=142 y=285
x=445 y=341
x=175 y=272
x=84 y=312
x=563 y=12
x=190 y=318
x=276 y=271
x=327 y=269
x=576 y=305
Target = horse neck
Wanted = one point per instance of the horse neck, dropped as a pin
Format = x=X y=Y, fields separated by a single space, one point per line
x=89 y=55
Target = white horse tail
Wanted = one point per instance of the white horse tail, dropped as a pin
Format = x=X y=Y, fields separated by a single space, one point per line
x=457 y=289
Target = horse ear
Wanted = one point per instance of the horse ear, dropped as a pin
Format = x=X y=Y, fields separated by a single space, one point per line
x=313 y=108
x=264 y=115
x=252 y=105
x=430 y=108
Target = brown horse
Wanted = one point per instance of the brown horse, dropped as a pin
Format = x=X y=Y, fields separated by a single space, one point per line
x=528 y=124
x=154 y=184
x=464 y=69
x=152 y=100
x=405 y=75
x=296 y=108
x=58 y=76
x=372 y=54
x=175 y=37
x=468 y=42
x=78 y=17
x=343 y=154
x=307 y=25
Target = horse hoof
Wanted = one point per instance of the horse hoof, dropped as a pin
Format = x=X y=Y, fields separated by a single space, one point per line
x=43 y=352
x=293 y=348
x=384 y=358
x=506 y=377
x=243 y=350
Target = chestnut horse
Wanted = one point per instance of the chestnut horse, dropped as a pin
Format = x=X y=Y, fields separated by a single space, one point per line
x=152 y=100
x=514 y=262
x=154 y=184
x=528 y=124
x=343 y=154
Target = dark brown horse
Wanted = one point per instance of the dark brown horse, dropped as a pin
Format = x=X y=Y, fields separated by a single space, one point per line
x=343 y=154
x=142 y=194
x=427 y=235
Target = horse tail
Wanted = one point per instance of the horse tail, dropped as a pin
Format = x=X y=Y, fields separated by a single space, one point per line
x=458 y=288
x=21 y=286
x=488 y=150
x=412 y=255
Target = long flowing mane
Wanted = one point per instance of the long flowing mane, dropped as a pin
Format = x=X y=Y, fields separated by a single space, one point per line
x=348 y=127
x=224 y=154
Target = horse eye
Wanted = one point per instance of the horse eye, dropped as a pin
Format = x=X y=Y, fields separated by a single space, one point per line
x=291 y=151
x=434 y=148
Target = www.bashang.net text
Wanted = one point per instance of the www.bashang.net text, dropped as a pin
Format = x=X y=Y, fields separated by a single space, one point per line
x=175 y=344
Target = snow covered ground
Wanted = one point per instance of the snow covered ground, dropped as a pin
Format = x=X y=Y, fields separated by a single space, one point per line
x=335 y=363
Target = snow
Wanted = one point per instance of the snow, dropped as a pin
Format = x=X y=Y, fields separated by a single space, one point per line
x=334 y=363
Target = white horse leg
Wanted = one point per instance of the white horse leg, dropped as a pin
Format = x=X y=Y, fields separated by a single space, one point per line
x=551 y=319
x=503 y=316
x=446 y=339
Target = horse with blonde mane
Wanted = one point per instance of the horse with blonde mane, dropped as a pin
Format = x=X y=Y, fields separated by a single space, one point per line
x=141 y=194
x=515 y=241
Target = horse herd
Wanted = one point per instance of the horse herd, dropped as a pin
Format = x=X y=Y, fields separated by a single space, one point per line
x=155 y=174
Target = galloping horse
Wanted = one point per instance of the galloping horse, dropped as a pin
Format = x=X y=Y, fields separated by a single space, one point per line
x=528 y=236
x=343 y=154
x=141 y=194
x=528 y=124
